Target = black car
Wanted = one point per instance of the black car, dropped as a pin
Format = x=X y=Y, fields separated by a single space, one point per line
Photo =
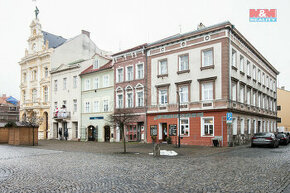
x=284 y=139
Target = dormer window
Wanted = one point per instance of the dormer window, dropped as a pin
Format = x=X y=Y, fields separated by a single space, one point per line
x=96 y=64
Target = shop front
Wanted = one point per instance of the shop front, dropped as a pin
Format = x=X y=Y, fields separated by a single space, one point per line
x=196 y=128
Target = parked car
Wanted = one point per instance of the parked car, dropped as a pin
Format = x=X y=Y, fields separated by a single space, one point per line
x=284 y=139
x=265 y=139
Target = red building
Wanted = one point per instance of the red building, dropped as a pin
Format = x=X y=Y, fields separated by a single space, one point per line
x=130 y=81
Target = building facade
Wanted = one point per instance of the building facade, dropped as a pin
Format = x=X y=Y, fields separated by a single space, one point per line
x=283 y=108
x=9 y=109
x=97 y=101
x=35 y=76
x=202 y=75
x=67 y=62
x=130 y=90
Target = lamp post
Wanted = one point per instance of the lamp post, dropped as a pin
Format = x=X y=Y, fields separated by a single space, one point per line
x=178 y=118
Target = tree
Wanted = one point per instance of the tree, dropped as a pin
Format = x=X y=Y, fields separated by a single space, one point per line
x=121 y=118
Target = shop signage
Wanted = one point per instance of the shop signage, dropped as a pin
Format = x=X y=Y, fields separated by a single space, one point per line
x=170 y=116
x=93 y=118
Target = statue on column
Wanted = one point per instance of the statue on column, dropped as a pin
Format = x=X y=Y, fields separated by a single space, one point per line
x=36 y=12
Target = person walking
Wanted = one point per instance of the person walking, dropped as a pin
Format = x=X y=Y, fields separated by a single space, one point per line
x=60 y=133
x=66 y=133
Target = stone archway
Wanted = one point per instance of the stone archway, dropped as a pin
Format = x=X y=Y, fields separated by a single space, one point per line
x=107 y=133
x=92 y=133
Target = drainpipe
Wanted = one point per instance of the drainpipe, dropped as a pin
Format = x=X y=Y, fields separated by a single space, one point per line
x=146 y=95
x=230 y=80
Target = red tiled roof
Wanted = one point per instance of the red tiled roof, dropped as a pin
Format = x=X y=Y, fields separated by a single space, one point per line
x=104 y=67
x=131 y=49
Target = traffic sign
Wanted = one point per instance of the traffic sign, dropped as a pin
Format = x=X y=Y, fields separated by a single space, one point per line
x=229 y=118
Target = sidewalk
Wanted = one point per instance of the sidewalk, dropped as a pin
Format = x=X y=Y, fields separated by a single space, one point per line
x=132 y=147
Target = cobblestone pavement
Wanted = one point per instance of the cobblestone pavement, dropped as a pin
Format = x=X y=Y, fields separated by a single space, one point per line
x=238 y=169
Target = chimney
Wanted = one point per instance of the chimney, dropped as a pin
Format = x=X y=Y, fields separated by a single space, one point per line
x=86 y=33
x=282 y=87
x=200 y=26
x=4 y=95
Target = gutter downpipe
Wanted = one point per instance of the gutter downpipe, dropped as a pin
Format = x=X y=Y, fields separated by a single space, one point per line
x=146 y=93
x=230 y=82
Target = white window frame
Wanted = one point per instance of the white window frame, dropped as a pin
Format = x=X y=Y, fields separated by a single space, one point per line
x=106 y=105
x=248 y=96
x=87 y=84
x=117 y=100
x=127 y=73
x=248 y=68
x=137 y=70
x=234 y=58
x=127 y=104
x=202 y=127
x=159 y=67
x=209 y=91
x=235 y=125
x=87 y=107
x=106 y=82
x=254 y=72
x=249 y=126
x=96 y=63
x=34 y=95
x=182 y=63
x=121 y=75
x=96 y=82
x=96 y=106
x=242 y=94
x=188 y=124
x=183 y=96
x=137 y=99
x=255 y=126
x=165 y=96
x=55 y=85
x=242 y=63
x=45 y=89
x=234 y=91
x=75 y=81
x=64 y=83
x=259 y=75
x=242 y=123
x=75 y=103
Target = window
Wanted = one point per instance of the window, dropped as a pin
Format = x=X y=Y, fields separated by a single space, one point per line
x=55 y=105
x=119 y=101
x=163 y=67
x=234 y=58
x=34 y=75
x=183 y=62
x=140 y=71
x=96 y=64
x=96 y=106
x=263 y=101
x=75 y=82
x=267 y=81
x=163 y=96
x=207 y=57
x=96 y=83
x=140 y=98
x=255 y=126
x=45 y=72
x=129 y=74
x=242 y=126
x=45 y=94
x=274 y=86
x=242 y=61
x=75 y=105
x=259 y=100
x=64 y=83
x=120 y=75
x=106 y=105
x=263 y=78
x=235 y=126
x=271 y=84
x=234 y=91
x=207 y=91
x=207 y=126
x=105 y=81
x=249 y=126
x=254 y=99
x=55 y=85
x=248 y=68
x=183 y=94
x=87 y=107
x=34 y=95
x=184 y=127
x=259 y=75
x=87 y=84
x=254 y=72
x=129 y=100
x=248 y=96
x=242 y=93
x=24 y=96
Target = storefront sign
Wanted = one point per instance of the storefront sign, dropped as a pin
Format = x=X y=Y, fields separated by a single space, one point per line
x=170 y=116
x=93 y=118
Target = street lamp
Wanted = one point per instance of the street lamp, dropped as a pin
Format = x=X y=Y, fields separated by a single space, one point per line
x=178 y=118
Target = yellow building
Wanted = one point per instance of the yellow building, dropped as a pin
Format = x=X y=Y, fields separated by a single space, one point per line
x=283 y=97
x=35 y=76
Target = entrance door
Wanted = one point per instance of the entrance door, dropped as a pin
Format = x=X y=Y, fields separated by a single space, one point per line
x=164 y=131
x=91 y=133
x=107 y=133
x=46 y=125
x=259 y=126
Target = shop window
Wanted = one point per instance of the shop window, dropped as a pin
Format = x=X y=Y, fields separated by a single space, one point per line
x=184 y=127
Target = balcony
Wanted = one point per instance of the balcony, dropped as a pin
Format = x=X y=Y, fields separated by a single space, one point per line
x=65 y=115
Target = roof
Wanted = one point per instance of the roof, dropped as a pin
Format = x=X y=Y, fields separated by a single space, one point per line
x=9 y=101
x=104 y=67
x=18 y=124
x=53 y=40
x=131 y=49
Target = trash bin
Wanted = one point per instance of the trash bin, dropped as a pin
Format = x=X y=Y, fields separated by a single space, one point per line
x=215 y=142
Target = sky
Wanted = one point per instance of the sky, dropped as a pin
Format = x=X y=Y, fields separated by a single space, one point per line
x=117 y=25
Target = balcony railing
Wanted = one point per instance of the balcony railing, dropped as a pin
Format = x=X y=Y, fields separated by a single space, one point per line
x=61 y=115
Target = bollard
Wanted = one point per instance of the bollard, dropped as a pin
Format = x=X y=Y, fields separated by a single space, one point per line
x=156 y=150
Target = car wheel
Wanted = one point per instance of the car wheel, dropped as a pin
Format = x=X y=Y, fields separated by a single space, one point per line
x=252 y=145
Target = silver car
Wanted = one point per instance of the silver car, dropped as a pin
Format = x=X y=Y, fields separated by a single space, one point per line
x=265 y=139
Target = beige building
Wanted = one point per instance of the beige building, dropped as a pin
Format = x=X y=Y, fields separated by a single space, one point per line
x=283 y=97
x=35 y=76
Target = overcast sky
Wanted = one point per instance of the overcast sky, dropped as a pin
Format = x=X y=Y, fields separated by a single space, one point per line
x=121 y=24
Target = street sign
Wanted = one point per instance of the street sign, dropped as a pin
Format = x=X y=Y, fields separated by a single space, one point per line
x=229 y=118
